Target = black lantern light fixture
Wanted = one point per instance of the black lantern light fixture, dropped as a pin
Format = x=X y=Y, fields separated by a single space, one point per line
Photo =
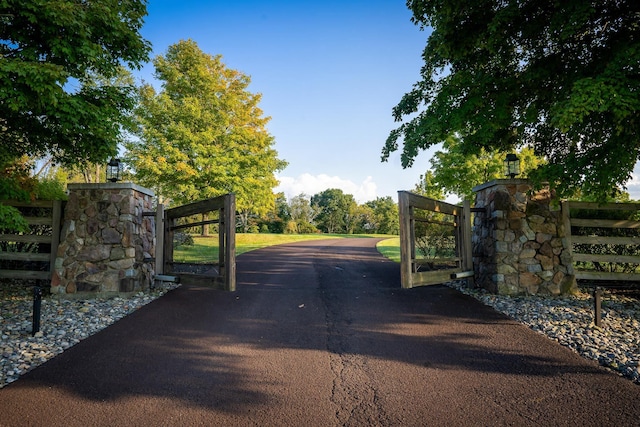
x=113 y=170
x=512 y=165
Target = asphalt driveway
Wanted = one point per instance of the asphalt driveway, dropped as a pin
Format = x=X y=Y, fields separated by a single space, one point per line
x=318 y=334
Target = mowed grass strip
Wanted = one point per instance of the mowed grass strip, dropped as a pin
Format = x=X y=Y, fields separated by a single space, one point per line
x=390 y=248
x=205 y=249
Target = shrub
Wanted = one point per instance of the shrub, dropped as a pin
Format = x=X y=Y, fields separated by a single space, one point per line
x=182 y=239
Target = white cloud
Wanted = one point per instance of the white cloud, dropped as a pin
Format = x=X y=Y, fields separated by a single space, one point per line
x=313 y=184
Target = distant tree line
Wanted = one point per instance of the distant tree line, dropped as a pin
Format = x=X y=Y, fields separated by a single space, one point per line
x=330 y=211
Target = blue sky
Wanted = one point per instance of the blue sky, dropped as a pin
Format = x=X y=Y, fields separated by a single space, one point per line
x=329 y=72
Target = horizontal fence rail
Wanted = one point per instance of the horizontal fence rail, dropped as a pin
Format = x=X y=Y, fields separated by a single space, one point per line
x=52 y=239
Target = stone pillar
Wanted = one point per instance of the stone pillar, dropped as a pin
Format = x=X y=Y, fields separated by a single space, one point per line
x=518 y=241
x=106 y=244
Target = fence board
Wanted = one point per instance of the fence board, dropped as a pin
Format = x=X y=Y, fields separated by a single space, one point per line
x=24 y=238
x=189 y=279
x=605 y=206
x=425 y=278
x=196 y=207
x=595 y=275
x=605 y=240
x=604 y=223
x=432 y=205
x=30 y=204
x=25 y=274
x=424 y=261
x=622 y=259
x=24 y=256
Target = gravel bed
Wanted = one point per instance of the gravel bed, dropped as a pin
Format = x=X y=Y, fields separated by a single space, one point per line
x=569 y=320
x=63 y=324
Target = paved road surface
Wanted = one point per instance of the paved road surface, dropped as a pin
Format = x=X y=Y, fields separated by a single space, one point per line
x=318 y=334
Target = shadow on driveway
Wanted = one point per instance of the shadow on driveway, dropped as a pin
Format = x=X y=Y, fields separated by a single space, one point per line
x=318 y=333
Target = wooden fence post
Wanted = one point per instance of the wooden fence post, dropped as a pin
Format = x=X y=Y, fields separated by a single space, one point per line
x=406 y=240
x=169 y=223
x=56 y=220
x=230 y=241
x=467 y=246
x=160 y=230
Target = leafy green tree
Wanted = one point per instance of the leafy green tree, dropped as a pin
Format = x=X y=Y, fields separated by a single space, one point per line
x=52 y=53
x=356 y=218
x=428 y=187
x=335 y=209
x=203 y=135
x=561 y=77
x=384 y=216
x=276 y=220
x=457 y=172
x=363 y=219
x=302 y=215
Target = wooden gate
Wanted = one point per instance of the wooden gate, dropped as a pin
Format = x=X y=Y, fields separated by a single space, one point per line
x=435 y=240
x=223 y=275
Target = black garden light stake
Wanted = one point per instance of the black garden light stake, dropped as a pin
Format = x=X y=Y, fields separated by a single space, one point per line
x=37 y=301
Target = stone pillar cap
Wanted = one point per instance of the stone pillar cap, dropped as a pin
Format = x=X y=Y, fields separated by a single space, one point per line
x=111 y=186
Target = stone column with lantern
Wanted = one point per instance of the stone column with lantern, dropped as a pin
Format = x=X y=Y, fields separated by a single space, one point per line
x=519 y=244
x=107 y=243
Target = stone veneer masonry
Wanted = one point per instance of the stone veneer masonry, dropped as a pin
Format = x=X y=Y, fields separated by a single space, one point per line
x=518 y=241
x=106 y=244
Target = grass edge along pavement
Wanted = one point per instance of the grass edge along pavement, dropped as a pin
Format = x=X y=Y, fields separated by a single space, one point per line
x=566 y=319
x=205 y=249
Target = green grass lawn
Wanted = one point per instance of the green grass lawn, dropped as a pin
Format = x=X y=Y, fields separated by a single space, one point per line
x=205 y=249
x=390 y=248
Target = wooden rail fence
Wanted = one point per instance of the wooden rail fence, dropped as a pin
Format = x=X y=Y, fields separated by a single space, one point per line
x=630 y=242
x=52 y=219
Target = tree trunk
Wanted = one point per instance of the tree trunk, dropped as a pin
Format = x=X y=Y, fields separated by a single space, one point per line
x=205 y=227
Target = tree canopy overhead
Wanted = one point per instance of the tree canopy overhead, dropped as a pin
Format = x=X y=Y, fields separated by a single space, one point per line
x=202 y=134
x=54 y=54
x=561 y=77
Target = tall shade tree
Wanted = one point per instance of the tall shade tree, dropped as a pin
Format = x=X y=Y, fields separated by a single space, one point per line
x=302 y=215
x=559 y=76
x=52 y=52
x=335 y=210
x=203 y=135
x=385 y=216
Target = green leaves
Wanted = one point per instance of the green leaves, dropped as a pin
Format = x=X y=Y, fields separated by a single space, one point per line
x=561 y=77
x=58 y=59
x=455 y=171
x=203 y=134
